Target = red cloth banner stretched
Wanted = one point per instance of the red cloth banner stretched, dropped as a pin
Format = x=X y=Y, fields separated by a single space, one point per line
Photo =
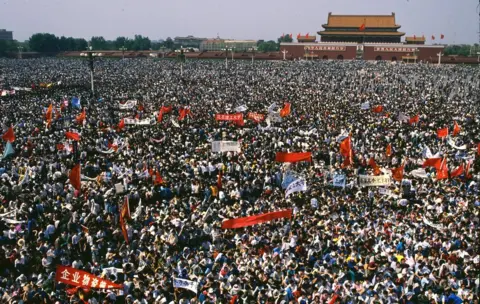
x=256 y=219
x=378 y=109
x=72 y=136
x=229 y=117
x=257 y=117
x=284 y=157
x=75 y=277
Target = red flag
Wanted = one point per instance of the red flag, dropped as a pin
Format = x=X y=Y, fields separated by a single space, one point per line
x=140 y=108
x=286 y=110
x=125 y=211
x=415 y=119
x=158 y=179
x=442 y=132
x=9 y=135
x=233 y=300
x=345 y=147
x=75 y=277
x=291 y=36
x=306 y=36
x=478 y=148
x=388 y=151
x=72 y=135
x=378 y=109
x=81 y=117
x=456 y=129
x=256 y=219
x=121 y=124
x=467 y=170
x=48 y=115
x=219 y=179
x=160 y=115
x=442 y=36
x=283 y=35
x=284 y=157
x=74 y=177
x=459 y=171
x=256 y=117
x=442 y=173
x=397 y=173
x=433 y=37
x=333 y=299
x=124 y=229
x=432 y=162
x=166 y=110
x=362 y=27
x=298 y=36
x=348 y=160
x=373 y=164
x=183 y=113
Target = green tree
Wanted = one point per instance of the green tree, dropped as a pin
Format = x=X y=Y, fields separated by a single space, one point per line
x=8 y=46
x=141 y=43
x=98 y=43
x=285 y=38
x=43 y=42
x=80 y=44
x=268 y=46
x=169 y=43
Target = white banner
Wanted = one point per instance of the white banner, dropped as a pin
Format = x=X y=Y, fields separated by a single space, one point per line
x=374 y=181
x=288 y=178
x=339 y=180
x=365 y=106
x=138 y=122
x=429 y=223
x=119 y=188
x=241 y=108
x=226 y=146
x=186 y=284
x=453 y=145
x=174 y=122
x=403 y=117
x=296 y=186
x=419 y=173
x=129 y=104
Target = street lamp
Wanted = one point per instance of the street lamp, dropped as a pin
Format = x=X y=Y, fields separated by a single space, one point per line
x=233 y=52
x=90 y=62
x=20 y=48
x=163 y=51
x=439 y=57
x=226 y=49
x=253 y=49
x=123 y=49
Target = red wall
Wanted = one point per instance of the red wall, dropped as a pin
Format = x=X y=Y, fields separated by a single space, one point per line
x=298 y=51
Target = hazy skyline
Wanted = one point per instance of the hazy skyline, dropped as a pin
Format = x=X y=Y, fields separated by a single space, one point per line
x=247 y=19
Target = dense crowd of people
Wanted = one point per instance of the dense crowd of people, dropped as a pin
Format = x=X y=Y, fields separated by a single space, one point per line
x=413 y=241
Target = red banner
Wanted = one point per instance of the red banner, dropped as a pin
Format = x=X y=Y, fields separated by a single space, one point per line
x=257 y=117
x=284 y=157
x=229 y=117
x=75 y=277
x=256 y=219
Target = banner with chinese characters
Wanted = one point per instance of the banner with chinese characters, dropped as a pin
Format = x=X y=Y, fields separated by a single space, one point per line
x=374 y=181
x=226 y=146
x=186 y=284
x=75 y=277
x=229 y=117
x=394 y=49
x=325 y=48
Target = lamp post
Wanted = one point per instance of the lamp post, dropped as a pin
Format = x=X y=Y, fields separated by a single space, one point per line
x=439 y=58
x=163 y=51
x=20 y=48
x=233 y=52
x=226 y=49
x=123 y=49
x=90 y=63
x=284 y=52
x=253 y=49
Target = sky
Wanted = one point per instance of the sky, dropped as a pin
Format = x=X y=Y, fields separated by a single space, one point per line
x=243 y=19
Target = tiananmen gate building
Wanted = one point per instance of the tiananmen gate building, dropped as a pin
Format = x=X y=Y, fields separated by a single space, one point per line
x=367 y=37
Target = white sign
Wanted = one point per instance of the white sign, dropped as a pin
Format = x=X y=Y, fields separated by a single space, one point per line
x=138 y=122
x=296 y=186
x=241 y=108
x=186 y=284
x=365 y=106
x=339 y=180
x=129 y=104
x=453 y=145
x=119 y=188
x=374 y=181
x=226 y=146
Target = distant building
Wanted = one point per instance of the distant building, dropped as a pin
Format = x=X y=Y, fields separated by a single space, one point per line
x=6 y=35
x=361 y=29
x=221 y=44
x=306 y=39
x=188 y=42
x=415 y=40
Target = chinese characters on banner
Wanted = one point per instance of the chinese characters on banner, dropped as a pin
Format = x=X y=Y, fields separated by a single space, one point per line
x=257 y=117
x=75 y=277
x=374 y=181
x=229 y=117
x=226 y=146
x=186 y=284
x=326 y=48
x=394 y=49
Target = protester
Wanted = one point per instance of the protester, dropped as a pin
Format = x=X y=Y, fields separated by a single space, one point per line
x=411 y=240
